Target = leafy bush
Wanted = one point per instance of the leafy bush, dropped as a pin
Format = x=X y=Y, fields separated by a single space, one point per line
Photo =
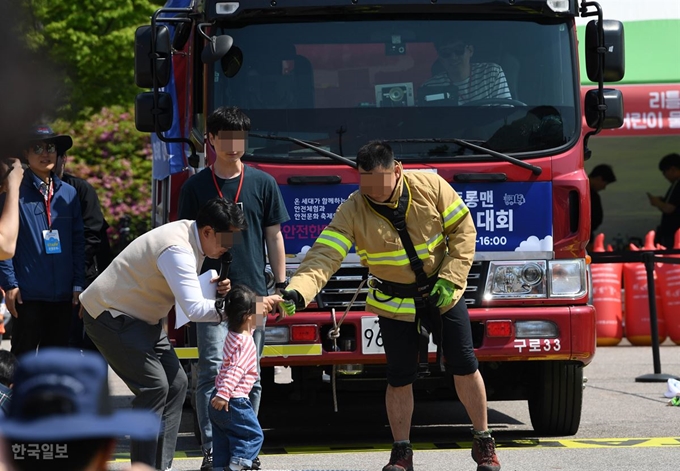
x=115 y=159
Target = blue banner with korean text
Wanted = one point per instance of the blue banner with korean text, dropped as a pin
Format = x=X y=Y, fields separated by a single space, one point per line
x=510 y=216
x=311 y=209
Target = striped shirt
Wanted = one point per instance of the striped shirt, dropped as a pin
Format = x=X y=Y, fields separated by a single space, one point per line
x=486 y=80
x=238 y=372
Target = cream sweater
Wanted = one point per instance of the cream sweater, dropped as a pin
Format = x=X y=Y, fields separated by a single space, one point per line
x=133 y=284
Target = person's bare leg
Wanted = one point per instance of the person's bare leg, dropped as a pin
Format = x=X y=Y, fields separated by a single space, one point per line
x=399 y=403
x=471 y=392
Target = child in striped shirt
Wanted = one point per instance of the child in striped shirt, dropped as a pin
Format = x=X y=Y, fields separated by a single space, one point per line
x=237 y=435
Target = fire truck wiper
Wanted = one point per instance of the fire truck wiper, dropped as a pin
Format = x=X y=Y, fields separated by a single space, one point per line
x=469 y=145
x=308 y=145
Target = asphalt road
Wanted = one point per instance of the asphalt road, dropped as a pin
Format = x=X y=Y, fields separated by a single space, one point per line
x=625 y=425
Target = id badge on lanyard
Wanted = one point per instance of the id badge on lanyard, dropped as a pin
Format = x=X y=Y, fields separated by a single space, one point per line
x=52 y=242
x=50 y=236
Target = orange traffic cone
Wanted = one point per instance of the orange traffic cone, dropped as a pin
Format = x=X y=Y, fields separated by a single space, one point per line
x=669 y=287
x=607 y=298
x=638 y=329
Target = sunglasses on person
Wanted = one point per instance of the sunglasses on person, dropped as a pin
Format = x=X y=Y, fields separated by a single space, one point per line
x=38 y=149
x=448 y=51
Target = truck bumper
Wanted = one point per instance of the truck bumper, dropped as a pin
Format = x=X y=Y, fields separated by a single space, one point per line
x=576 y=338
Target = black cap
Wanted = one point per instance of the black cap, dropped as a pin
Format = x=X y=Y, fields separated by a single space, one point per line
x=43 y=132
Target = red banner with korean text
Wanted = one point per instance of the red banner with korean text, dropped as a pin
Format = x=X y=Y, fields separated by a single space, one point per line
x=649 y=110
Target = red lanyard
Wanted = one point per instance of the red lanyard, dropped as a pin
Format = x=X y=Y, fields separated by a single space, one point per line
x=48 y=206
x=240 y=183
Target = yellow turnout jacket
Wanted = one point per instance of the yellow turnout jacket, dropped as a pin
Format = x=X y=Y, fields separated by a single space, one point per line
x=441 y=229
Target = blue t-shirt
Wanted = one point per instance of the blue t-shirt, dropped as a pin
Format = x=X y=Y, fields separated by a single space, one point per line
x=263 y=206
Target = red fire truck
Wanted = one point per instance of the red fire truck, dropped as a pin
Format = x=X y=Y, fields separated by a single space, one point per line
x=321 y=78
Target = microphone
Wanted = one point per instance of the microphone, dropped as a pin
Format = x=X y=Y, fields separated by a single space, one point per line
x=225 y=262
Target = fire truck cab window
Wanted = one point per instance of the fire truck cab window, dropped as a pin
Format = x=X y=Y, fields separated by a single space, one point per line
x=390 y=80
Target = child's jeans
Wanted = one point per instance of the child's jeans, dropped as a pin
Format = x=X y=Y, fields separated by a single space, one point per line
x=237 y=435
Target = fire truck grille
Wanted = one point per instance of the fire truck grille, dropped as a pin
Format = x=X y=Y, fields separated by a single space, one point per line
x=340 y=289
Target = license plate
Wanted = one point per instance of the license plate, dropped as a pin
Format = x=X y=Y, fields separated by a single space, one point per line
x=371 y=337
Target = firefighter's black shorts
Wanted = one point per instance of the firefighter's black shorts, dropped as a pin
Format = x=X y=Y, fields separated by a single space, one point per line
x=401 y=342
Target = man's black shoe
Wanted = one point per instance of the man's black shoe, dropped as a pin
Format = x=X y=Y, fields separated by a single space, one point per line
x=256 y=463
x=206 y=465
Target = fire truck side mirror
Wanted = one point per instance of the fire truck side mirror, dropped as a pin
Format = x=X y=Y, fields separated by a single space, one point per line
x=148 y=60
x=613 y=47
x=181 y=36
x=216 y=48
x=613 y=115
x=147 y=114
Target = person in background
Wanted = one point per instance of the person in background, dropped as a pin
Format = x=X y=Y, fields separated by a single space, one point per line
x=259 y=197
x=29 y=87
x=466 y=81
x=47 y=273
x=598 y=179
x=97 y=247
x=8 y=364
x=61 y=416
x=669 y=205
x=238 y=436
x=127 y=302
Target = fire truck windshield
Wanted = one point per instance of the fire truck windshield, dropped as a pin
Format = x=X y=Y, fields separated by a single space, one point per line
x=509 y=86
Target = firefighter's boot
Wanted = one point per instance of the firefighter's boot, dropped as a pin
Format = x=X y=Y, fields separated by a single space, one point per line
x=401 y=458
x=484 y=453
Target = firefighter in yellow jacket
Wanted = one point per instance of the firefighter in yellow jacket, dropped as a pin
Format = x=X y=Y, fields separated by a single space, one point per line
x=441 y=230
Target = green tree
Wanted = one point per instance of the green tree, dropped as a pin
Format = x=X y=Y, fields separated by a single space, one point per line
x=93 y=41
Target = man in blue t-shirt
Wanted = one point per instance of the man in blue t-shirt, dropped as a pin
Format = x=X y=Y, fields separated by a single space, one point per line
x=259 y=197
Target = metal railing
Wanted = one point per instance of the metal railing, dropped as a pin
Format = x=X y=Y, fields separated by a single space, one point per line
x=649 y=258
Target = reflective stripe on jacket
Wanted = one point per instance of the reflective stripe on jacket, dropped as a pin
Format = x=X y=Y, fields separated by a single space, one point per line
x=440 y=227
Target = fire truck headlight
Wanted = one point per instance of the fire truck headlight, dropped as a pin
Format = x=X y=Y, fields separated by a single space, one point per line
x=516 y=279
x=567 y=278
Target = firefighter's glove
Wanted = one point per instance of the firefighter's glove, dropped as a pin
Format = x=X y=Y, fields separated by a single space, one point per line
x=444 y=290
x=291 y=302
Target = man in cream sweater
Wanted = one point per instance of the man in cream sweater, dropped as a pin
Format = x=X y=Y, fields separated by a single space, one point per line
x=126 y=303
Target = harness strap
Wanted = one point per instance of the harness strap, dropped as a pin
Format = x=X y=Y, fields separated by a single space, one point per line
x=425 y=305
x=400 y=290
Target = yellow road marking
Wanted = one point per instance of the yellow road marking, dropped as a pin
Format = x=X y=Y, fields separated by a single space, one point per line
x=657 y=442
